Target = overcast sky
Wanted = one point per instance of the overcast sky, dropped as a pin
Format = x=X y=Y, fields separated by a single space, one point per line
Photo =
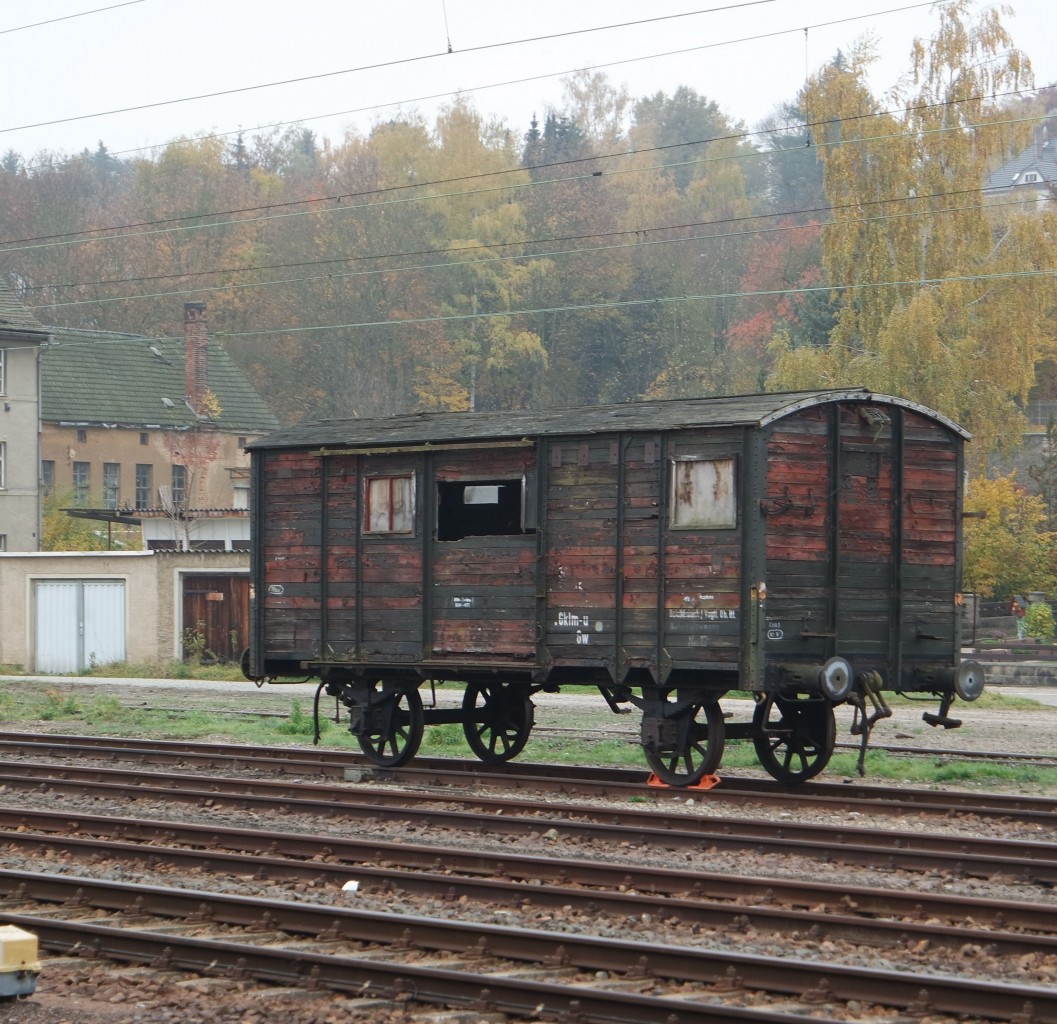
x=360 y=61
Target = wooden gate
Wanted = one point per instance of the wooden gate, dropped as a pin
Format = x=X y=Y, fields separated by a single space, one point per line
x=215 y=617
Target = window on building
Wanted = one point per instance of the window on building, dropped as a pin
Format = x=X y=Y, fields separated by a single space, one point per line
x=3 y=541
x=242 y=443
x=389 y=504
x=703 y=495
x=241 y=494
x=3 y=371
x=3 y=464
x=479 y=508
x=179 y=486
x=144 y=437
x=143 y=486
x=111 y=484
x=1030 y=178
x=80 y=482
x=47 y=475
x=82 y=436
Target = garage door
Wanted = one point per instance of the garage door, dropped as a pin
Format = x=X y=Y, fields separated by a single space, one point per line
x=79 y=623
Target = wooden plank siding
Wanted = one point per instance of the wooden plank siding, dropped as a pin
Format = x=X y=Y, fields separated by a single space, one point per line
x=864 y=564
x=846 y=508
x=290 y=547
x=484 y=587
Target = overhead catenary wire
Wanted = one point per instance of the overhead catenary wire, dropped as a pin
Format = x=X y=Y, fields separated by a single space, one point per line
x=68 y=17
x=397 y=62
x=640 y=241
x=614 y=304
x=342 y=202
x=495 y=85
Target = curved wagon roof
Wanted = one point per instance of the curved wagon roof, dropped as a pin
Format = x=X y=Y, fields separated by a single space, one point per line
x=441 y=427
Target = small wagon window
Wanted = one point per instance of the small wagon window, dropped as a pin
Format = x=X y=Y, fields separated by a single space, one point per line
x=389 y=504
x=703 y=494
x=481 y=508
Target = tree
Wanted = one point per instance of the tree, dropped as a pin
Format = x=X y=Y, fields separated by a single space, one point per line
x=937 y=300
x=1008 y=548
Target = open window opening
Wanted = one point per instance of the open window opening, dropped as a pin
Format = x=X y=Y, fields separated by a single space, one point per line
x=480 y=508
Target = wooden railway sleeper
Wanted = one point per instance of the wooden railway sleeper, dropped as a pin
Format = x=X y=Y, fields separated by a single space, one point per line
x=867 y=687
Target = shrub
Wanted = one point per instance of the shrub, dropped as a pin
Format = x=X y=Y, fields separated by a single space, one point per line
x=1038 y=621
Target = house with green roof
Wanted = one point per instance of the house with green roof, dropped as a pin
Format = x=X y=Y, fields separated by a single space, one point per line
x=149 y=428
x=21 y=339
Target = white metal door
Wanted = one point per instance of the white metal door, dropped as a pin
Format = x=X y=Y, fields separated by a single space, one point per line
x=79 y=623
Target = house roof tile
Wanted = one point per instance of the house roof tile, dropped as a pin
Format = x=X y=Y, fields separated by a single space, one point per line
x=15 y=316
x=129 y=380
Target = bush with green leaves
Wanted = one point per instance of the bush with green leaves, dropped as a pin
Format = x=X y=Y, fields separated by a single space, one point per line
x=1038 y=621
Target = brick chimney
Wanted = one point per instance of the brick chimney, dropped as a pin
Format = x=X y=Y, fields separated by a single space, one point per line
x=196 y=363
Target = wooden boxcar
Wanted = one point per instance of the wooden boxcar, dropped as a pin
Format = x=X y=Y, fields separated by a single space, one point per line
x=803 y=547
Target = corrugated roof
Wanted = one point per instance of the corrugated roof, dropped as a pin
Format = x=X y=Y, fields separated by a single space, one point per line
x=444 y=427
x=15 y=316
x=97 y=377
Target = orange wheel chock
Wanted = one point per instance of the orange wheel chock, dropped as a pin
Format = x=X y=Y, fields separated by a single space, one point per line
x=706 y=782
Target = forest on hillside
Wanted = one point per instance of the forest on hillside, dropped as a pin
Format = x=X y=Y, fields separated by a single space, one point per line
x=614 y=249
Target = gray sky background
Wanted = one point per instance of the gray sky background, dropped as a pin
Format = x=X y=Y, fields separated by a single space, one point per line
x=747 y=57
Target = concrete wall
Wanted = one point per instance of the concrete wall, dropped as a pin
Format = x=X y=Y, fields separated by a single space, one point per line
x=153 y=595
x=19 y=430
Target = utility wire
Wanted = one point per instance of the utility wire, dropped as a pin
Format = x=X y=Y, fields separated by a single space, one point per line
x=402 y=61
x=530 y=78
x=342 y=202
x=68 y=17
x=660 y=300
x=638 y=242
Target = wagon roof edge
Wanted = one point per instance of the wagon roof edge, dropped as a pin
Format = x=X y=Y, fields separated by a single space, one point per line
x=439 y=427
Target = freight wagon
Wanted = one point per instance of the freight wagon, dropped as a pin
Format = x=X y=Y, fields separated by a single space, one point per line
x=801 y=548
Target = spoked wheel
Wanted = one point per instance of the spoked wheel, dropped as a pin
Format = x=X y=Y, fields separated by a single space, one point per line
x=498 y=720
x=392 y=725
x=794 y=738
x=686 y=746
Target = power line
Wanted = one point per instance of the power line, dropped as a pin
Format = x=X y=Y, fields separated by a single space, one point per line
x=68 y=17
x=399 y=62
x=638 y=242
x=341 y=202
x=534 y=78
x=624 y=304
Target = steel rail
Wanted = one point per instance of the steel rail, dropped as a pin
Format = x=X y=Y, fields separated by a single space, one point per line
x=1033 y=860
x=808 y=980
x=381 y=859
x=437 y=772
x=844 y=919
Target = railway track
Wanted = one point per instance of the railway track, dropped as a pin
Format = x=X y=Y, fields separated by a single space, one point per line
x=881 y=917
x=437 y=773
x=510 y=816
x=402 y=956
x=680 y=981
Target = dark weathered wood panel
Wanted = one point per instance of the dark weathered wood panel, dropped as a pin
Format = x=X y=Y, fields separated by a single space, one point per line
x=289 y=589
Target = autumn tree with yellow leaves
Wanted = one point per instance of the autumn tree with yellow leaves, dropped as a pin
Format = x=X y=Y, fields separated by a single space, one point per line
x=1008 y=548
x=943 y=298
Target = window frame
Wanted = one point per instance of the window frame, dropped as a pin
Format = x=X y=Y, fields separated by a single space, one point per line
x=144 y=491
x=111 y=487
x=681 y=513
x=81 y=488
x=3 y=371
x=410 y=502
x=179 y=491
